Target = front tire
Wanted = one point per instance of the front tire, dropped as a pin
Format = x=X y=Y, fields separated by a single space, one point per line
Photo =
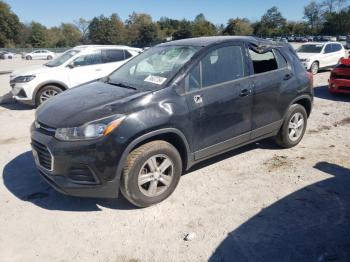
x=293 y=128
x=49 y=57
x=151 y=174
x=46 y=93
x=29 y=57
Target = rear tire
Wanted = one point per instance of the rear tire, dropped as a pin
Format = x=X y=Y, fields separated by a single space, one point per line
x=46 y=93
x=314 y=68
x=293 y=128
x=151 y=174
x=49 y=57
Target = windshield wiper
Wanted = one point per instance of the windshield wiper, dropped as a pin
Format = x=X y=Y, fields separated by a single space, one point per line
x=121 y=85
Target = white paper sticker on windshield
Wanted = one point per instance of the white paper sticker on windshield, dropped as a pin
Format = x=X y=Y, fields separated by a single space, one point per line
x=158 y=80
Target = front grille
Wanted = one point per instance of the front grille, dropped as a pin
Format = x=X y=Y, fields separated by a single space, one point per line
x=43 y=154
x=335 y=76
x=346 y=88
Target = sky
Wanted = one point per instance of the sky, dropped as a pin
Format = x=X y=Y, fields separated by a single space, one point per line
x=54 y=12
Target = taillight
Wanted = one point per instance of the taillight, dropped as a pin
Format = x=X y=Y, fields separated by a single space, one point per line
x=311 y=78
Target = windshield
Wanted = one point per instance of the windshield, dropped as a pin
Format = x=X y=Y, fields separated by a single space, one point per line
x=151 y=69
x=63 y=58
x=310 y=49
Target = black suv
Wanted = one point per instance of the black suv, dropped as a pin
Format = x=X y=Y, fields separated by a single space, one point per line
x=167 y=109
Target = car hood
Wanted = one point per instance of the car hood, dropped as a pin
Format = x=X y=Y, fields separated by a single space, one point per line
x=32 y=70
x=85 y=103
x=307 y=55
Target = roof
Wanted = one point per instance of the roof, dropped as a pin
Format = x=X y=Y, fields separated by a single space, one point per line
x=83 y=47
x=209 y=40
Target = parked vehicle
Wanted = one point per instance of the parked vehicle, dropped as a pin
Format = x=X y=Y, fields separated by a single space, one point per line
x=167 y=109
x=339 y=81
x=341 y=38
x=39 y=54
x=6 y=55
x=74 y=67
x=320 y=55
x=347 y=45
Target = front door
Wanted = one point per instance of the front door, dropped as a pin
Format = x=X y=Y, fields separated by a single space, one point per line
x=86 y=68
x=219 y=99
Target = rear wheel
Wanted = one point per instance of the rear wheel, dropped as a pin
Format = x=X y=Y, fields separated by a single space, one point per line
x=293 y=128
x=151 y=174
x=49 y=57
x=314 y=68
x=46 y=93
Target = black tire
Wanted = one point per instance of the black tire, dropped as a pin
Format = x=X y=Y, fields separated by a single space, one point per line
x=283 y=138
x=49 y=57
x=315 y=67
x=28 y=57
x=10 y=57
x=137 y=160
x=48 y=88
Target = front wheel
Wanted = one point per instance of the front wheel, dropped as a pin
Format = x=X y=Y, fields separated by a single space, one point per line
x=49 y=57
x=151 y=174
x=46 y=93
x=29 y=57
x=293 y=128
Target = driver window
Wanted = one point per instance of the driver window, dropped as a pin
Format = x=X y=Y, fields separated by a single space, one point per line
x=90 y=59
x=328 y=49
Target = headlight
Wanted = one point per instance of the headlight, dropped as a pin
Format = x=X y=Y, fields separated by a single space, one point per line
x=23 y=79
x=88 y=131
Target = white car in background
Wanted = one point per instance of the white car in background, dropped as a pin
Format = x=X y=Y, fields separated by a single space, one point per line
x=315 y=56
x=74 y=67
x=6 y=55
x=39 y=54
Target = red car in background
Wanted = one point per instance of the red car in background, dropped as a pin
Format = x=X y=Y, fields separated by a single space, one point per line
x=339 y=81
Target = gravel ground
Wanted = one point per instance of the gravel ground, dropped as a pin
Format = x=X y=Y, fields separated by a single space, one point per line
x=257 y=203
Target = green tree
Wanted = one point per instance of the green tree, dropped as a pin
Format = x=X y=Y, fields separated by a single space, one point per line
x=238 y=26
x=10 y=26
x=83 y=25
x=141 y=30
x=312 y=13
x=184 y=31
x=273 y=21
x=202 y=27
x=39 y=35
x=106 y=30
x=71 y=34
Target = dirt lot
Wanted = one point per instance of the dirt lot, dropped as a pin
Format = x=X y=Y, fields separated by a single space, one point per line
x=258 y=203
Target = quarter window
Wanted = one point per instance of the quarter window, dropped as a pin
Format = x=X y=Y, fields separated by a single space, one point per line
x=336 y=47
x=263 y=62
x=328 y=49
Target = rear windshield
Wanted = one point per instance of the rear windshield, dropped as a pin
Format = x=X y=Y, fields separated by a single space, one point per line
x=310 y=49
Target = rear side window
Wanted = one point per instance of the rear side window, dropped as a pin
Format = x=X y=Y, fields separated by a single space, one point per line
x=264 y=62
x=281 y=61
x=219 y=66
x=113 y=55
x=336 y=47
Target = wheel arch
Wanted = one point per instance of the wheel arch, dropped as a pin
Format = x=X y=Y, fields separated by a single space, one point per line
x=171 y=135
x=58 y=84
x=305 y=101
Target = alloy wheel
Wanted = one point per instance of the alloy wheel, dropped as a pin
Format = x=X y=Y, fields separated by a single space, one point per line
x=47 y=94
x=296 y=126
x=156 y=175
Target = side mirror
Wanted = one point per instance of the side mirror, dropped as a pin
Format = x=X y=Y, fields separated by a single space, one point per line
x=71 y=65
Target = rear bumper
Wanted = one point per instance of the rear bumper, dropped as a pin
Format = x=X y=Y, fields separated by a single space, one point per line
x=82 y=168
x=339 y=86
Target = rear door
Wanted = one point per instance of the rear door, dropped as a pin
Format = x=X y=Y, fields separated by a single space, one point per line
x=112 y=60
x=270 y=75
x=86 y=68
x=219 y=99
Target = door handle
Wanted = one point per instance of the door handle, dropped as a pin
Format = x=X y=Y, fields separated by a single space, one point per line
x=245 y=92
x=288 y=76
x=198 y=99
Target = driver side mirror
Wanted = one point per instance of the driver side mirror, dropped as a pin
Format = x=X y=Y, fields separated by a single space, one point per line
x=71 y=65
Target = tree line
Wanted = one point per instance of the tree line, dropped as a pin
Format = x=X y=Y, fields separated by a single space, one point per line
x=327 y=17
